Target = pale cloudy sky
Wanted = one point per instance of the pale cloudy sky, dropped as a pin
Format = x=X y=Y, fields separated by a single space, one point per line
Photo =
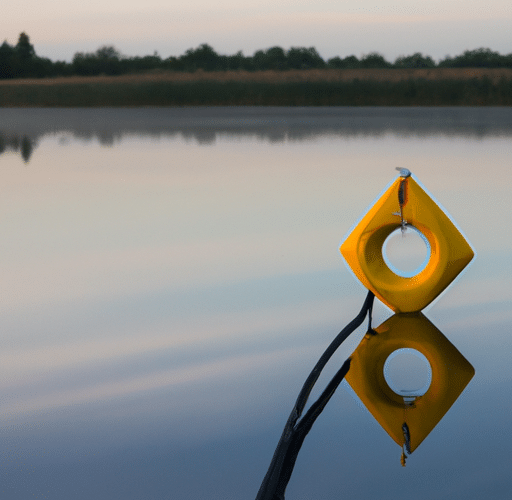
x=59 y=28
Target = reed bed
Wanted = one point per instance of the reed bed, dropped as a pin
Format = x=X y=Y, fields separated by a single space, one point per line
x=371 y=87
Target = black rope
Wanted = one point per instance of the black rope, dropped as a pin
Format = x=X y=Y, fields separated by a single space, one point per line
x=285 y=455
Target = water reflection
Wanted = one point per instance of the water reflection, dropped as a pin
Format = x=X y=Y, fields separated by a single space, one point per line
x=407 y=416
x=165 y=299
x=16 y=143
x=206 y=125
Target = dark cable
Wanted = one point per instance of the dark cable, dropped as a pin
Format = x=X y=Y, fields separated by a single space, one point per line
x=285 y=455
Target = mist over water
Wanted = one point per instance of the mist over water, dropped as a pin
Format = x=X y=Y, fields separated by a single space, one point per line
x=205 y=125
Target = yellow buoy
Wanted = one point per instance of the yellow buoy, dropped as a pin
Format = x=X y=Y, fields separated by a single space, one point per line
x=403 y=205
x=451 y=372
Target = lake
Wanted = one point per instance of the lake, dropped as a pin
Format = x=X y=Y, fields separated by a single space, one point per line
x=171 y=276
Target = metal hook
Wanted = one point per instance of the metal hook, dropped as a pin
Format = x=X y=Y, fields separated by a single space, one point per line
x=404 y=173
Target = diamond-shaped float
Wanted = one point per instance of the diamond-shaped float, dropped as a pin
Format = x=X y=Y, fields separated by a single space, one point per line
x=405 y=202
x=451 y=372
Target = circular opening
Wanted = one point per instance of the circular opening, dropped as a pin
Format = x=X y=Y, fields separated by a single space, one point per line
x=406 y=251
x=408 y=372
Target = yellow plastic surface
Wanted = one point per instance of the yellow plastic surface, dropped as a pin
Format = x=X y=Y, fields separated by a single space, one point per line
x=451 y=372
x=450 y=252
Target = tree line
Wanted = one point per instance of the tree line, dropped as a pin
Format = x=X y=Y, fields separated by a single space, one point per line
x=21 y=61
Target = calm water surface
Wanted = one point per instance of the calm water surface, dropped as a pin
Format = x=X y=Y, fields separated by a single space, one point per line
x=170 y=277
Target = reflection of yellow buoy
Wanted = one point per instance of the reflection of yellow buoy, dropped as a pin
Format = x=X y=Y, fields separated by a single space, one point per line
x=404 y=204
x=401 y=416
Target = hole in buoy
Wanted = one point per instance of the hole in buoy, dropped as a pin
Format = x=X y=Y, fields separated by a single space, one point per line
x=408 y=372
x=406 y=252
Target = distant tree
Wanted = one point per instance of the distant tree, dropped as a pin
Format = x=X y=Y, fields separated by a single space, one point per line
x=507 y=61
x=146 y=63
x=6 y=61
x=106 y=60
x=374 y=60
x=173 y=63
x=108 y=53
x=59 y=68
x=236 y=61
x=204 y=57
x=350 y=62
x=478 y=58
x=446 y=62
x=42 y=66
x=259 y=60
x=273 y=58
x=109 y=60
x=416 y=60
x=84 y=64
x=335 y=62
x=21 y=61
x=24 y=49
x=17 y=61
x=304 y=58
x=276 y=58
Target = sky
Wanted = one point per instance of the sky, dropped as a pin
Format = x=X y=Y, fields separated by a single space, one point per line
x=60 y=28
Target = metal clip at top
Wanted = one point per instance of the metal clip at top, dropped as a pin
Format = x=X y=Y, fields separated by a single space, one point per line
x=404 y=172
